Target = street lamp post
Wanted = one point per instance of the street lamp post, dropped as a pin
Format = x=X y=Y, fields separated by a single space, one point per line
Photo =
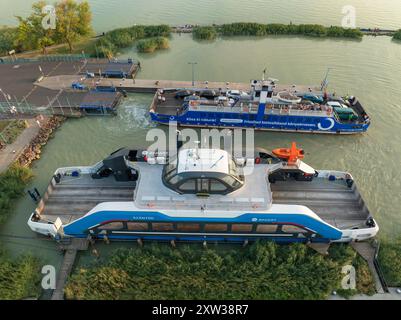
x=193 y=72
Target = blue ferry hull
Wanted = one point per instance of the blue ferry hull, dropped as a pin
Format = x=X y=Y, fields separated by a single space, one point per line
x=289 y=123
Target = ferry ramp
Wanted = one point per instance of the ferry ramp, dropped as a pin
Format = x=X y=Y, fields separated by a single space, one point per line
x=73 y=197
x=333 y=201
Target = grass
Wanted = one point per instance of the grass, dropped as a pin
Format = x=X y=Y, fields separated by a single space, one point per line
x=390 y=262
x=12 y=185
x=4 y=124
x=152 y=44
x=262 y=270
x=19 y=278
x=11 y=130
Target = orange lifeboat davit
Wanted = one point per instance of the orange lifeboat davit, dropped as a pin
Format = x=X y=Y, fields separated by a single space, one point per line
x=291 y=155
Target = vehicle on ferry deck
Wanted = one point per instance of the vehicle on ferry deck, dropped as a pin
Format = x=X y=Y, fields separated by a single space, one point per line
x=203 y=194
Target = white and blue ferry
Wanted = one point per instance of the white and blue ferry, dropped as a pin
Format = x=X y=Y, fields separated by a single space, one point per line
x=263 y=108
x=203 y=195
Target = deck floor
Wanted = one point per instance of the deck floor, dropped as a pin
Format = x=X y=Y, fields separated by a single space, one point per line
x=73 y=197
x=333 y=201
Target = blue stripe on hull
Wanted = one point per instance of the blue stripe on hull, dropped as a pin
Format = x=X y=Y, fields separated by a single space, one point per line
x=273 y=122
x=80 y=227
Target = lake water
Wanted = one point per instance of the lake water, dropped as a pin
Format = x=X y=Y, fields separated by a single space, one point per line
x=369 y=69
x=109 y=14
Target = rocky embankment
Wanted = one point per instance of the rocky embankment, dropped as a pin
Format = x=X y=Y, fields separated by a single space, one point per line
x=32 y=152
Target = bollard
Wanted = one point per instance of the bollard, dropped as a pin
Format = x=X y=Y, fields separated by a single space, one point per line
x=140 y=242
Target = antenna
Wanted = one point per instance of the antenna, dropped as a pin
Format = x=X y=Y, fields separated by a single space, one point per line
x=264 y=74
x=325 y=81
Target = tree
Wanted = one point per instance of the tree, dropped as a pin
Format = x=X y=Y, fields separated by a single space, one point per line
x=31 y=34
x=73 y=21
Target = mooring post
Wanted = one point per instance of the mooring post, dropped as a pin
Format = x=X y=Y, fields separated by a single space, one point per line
x=204 y=244
x=140 y=242
x=172 y=242
x=106 y=239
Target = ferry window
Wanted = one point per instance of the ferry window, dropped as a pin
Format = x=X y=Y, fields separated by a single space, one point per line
x=160 y=226
x=234 y=183
x=293 y=229
x=215 y=227
x=241 y=227
x=188 y=227
x=137 y=226
x=174 y=180
x=188 y=185
x=118 y=225
x=203 y=185
x=216 y=185
x=266 y=228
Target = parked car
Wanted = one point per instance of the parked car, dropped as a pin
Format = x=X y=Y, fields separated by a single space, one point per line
x=208 y=94
x=237 y=94
x=182 y=94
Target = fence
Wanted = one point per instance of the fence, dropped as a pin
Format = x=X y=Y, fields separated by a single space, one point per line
x=12 y=109
x=47 y=58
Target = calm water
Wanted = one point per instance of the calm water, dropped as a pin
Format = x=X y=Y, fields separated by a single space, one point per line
x=369 y=69
x=116 y=13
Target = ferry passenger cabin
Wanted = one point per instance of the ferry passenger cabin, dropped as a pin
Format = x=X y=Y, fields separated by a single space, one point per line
x=263 y=108
x=203 y=195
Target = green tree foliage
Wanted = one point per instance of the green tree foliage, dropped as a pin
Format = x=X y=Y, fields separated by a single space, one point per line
x=73 y=21
x=397 y=35
x=12 y=185
x=390 y=262
x=31 y=34
x=8 y=37
x=263 y=270
x=204 y=33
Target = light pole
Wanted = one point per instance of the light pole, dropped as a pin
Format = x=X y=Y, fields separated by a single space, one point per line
x=193 y=72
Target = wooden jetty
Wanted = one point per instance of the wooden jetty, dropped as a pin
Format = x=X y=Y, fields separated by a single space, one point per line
x=71 y=250
x=369 y=253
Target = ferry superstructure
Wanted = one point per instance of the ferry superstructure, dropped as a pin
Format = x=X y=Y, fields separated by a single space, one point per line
x=203 y=195
x=263 y=108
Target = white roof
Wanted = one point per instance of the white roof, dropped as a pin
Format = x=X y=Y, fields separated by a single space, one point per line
x=206 y=160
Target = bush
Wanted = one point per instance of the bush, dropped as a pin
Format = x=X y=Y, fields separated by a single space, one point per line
x=19 y=278
x=12 y=185
x=13 y=130
x=397 y=35
x=8 y=37
x=390 y=262
x=312 y=30
x=121 y=38
x=263 y=270
x=204 y=33
x=152 y=44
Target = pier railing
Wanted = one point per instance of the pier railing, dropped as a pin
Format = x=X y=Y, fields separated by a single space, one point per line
x=23 y=109
x=46 y=58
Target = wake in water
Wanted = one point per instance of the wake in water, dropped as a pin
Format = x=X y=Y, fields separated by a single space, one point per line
x=134 y=114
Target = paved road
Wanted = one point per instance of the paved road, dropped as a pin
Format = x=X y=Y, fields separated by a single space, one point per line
x=10 y=153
